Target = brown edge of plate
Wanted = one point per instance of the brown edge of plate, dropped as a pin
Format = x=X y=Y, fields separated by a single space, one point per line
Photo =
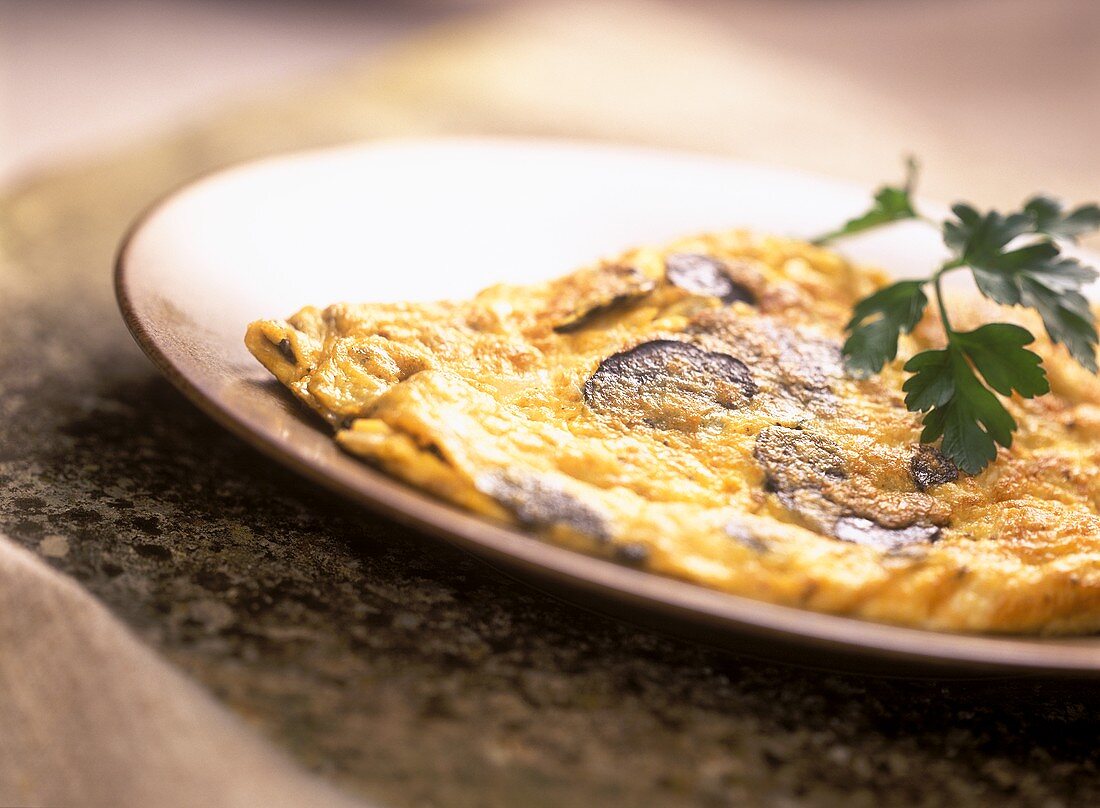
x=738 y=624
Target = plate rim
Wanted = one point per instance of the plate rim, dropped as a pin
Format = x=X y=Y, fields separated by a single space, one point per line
x=512 y=548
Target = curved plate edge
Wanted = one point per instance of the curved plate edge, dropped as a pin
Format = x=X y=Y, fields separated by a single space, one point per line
x=516 y=551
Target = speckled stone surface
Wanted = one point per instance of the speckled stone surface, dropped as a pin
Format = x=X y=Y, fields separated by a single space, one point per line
x=385 y=660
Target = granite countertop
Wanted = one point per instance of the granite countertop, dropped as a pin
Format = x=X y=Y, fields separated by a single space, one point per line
x=389 y=661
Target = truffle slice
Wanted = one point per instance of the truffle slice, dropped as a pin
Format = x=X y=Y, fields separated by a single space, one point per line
x=668 y=384
x=703 y=275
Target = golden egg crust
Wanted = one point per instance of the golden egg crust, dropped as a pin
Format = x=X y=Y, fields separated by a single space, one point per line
x=685 y=409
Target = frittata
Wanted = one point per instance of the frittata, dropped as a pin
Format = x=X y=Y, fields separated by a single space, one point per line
x=685 y=409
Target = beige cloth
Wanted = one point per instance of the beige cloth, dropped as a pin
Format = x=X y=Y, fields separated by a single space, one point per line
x=90 y=716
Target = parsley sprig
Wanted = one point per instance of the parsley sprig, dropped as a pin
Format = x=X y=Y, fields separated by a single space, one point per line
x=1015 y=259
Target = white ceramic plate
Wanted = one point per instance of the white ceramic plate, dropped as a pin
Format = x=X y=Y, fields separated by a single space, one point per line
x=420 y=220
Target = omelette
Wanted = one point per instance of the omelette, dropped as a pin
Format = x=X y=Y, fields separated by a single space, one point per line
x=685 y=409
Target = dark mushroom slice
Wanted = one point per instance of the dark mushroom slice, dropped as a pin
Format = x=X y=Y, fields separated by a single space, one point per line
x=593 y=292
x=797 y=458
x=703 y=275
x=798 y=465
x=543 y=503
x=859 y=530
x=930 y=467
x=286 y=350
x=811 y=363
x=806 y=472
x=668 y=384
x=795 y=366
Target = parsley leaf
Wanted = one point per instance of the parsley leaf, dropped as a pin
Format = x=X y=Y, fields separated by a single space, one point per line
x=997 y=274
x=1015 y=260
x=979 y=239
x=1048 y=216
x=877 y=321
x=1036 y=275
x=1039 y=278
x=958 y=407
x=891 y=204
x=997 y=352
x=1066 y=313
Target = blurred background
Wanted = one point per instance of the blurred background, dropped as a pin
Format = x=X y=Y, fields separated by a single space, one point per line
x=1008 y=88
x=77 y=75
x=396 y=669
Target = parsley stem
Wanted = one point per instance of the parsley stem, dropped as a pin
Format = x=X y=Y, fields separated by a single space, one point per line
x=936 y=282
